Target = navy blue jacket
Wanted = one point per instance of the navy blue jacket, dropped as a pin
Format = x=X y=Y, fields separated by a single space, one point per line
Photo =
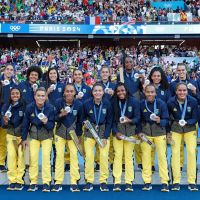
x=6 y=89
x=191 y=115
x=132 y=112
x=132 y=84
x=87 y=92
x=173 y=88
x=56 y=94
x=75 y=116
x=161 y=111
x=106 y=116
x=30 y=118
x=111 y=86
x=17 y=114
x=27 y=92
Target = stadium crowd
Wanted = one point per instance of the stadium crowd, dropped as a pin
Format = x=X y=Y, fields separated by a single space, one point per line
x=90 y=59
x=69 y=11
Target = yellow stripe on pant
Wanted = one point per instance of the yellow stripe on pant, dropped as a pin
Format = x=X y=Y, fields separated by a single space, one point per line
x=3 y=152
x=16 y=167
x=34 y=155
x=161 y=147
x=59 y=167
x=89 y=145
x=190 y=140
x=121 y=147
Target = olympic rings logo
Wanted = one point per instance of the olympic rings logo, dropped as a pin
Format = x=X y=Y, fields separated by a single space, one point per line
x=15 y=28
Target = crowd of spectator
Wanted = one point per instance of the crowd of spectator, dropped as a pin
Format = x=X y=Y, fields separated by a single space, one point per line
x=110 y=11
x=91 y=59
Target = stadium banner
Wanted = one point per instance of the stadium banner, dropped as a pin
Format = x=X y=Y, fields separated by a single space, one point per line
x=123 y=29
x=14 y=28
x=168 y=4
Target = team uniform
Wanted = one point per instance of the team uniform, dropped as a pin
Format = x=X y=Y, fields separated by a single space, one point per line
x=40 y=135
x=86 y=90
x=188 y=112
x=71 y=122
x=5 y=92
x=131 y=109
x=164 y=95
x=174 y=83
x=196 y=96
x=132 y=84
x=112 y=86
x=155 y=132
x=106 y=86
x=15 y=156
x=100 y=116
x=57 y=93
x=27 y=91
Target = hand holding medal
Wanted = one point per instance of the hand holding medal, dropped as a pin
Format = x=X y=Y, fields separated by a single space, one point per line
x=191 y=87
x=51 y=88
x=153 y=115
x=6 y=82
x=42 y=118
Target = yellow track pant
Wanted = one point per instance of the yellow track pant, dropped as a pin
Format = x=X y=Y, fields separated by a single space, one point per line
x=190 y=140
x=161 y=147
x=138 y=155
x=15 y=156
x=89 y=145
x=59 y=167
x=111 y=152
x=2 y=146
x=120 y=147
x=46 y=165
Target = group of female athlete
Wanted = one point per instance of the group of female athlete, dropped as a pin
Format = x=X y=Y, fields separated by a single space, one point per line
x=129 y=117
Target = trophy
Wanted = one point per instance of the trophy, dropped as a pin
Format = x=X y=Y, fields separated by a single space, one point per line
x=76 y=142
x=145 y=139
x=89 y=126
x=132 y=140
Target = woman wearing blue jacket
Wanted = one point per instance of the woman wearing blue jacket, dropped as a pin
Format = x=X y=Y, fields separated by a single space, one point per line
x=55 y=90
x=154 y=120
x=83 y=92
x=69 y=117
x=183 y=111
x=99 y=112
x=29 y=86
x=126 y=118
x=7 y=82
x=12 y=116
x=109 y=88
x=39 y=121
